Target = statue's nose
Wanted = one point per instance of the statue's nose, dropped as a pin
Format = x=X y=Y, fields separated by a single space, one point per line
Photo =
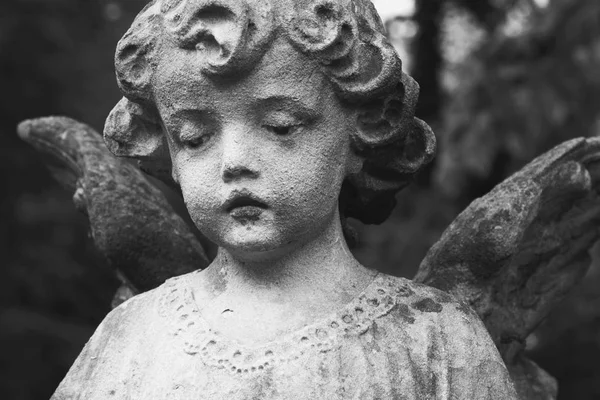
x=239 y=157
x=232 y=173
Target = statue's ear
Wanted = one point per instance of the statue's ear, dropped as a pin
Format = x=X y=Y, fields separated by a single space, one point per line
x=131 y=130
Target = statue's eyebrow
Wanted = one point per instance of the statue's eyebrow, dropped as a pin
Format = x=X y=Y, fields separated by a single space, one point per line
x=176 y=119
x=190 y=113
x=287 y=103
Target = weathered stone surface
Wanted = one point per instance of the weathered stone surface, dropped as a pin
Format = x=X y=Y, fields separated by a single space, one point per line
x=278 y=120
x=514 y=253
x=131 y=222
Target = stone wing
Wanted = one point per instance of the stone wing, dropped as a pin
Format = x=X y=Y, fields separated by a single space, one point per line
x=516 y=252
x=132 y=223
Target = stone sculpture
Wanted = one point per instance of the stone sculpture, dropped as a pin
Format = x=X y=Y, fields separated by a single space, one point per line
x=278 y=121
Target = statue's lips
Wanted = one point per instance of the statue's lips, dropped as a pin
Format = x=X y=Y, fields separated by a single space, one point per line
x=243 y=204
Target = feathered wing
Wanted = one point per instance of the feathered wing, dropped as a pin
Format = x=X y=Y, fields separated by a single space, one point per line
x=516 y=252
x=132 y=223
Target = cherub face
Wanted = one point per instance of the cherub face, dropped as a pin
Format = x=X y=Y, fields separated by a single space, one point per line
x=260 y=158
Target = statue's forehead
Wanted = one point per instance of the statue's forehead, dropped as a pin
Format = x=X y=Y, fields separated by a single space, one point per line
x=282 y=72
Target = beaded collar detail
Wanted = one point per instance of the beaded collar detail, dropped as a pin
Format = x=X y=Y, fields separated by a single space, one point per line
x=197 y=338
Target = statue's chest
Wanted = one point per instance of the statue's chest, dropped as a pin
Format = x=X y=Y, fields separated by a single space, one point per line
x=365 y=350
x=364 y=366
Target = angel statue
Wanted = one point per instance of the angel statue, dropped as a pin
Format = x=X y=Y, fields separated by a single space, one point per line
x=278 y=121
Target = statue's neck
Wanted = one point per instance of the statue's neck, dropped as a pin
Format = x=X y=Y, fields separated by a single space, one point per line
x=320 y=269
x=258 y=299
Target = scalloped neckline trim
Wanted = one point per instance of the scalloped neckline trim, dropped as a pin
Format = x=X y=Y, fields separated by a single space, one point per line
x=194 y=334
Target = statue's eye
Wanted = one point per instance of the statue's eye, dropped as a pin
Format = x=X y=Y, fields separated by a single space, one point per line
x=281 y=122
x=194 y=136
x=196 y=142
x=282 y=130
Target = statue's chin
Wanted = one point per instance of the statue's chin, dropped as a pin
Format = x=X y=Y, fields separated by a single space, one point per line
x=257 y=251
x=248 y=243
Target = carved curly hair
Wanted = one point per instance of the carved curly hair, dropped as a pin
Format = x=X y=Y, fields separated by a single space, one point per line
x=345 y=36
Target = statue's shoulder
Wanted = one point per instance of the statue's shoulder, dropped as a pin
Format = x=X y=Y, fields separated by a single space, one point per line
x=424 y=310
x=124 y=344
x=130 y=323
x=435 y=328
x=422 y=299
x=125 y=319
x=144 y=307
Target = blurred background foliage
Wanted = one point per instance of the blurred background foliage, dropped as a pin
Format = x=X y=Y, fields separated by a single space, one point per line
x=502 y=81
